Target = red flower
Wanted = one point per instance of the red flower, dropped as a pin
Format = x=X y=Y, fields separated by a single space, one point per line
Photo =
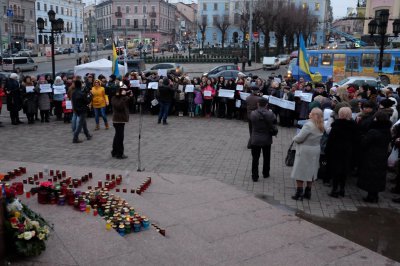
x=13 y=220
x=10 y=193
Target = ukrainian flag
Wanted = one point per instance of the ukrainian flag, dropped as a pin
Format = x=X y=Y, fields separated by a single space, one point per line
x=303 y=62
x=115 y=69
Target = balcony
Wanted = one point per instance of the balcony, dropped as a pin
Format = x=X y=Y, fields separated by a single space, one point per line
x=118 y=14
x=17 y=18
x=18 y=35
x=153 y=14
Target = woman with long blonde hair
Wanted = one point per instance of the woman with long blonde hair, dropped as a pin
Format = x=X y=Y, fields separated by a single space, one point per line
x=306 y=163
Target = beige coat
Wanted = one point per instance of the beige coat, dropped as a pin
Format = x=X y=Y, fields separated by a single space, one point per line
x=308 y=149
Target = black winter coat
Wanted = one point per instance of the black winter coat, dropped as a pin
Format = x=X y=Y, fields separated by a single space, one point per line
x=340 y=148
x=80 y=100
x=374 y=153
x=165 y=93
x=14 y=96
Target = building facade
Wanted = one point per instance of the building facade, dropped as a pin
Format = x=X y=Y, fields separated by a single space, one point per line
x=89 y=24
x=130 y=22
x=187 y=21
x=72 y=14
x=373 y=7
x=211 y=10
x=17 y=25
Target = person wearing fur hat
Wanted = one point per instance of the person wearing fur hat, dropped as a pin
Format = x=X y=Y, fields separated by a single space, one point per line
x=44 y=101
x=14 y=98
x=58 y=99
x=99 y=103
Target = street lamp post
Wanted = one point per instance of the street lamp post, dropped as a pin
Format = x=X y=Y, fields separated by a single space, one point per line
x=153 y=43
x=57 y=26
x=379 y=26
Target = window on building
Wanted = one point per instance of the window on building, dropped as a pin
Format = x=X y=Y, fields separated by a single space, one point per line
x=31 y=13
x=386 y=60
x=56 y=9
x=135 y=23
x=236 y=19
x=144 y=22
x=317 y=6
x=45 y=7
x=135 y=9
x=313 y=60
x=127 y=9
x=226 y=5
x=352 y=62
x=236 y=5
x=45 y=22
x=204 y=6
x=397 y=65
x=215 y=6
x=127 y=22
x=368 y=60
x=378 y=12
x=152 y=23
x=119 y=24
x=226 y=18
x=118 y=9
x=38 y=7
x=81 y=27
x=51 y=7
x=326 y=59
x=62 y=11
x=204 y=19
x=215 y=20
x=144 y=10
x=153 y=9
x=6 y=27
x=214 y=36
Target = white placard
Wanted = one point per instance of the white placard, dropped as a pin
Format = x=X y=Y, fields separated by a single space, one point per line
x=134 y=83
x=29 y=88
x=58 y=89
x=207 y=93
x=162 y=72
x=282 y=103
x=226 y=93
x=142 y=86
x=238 y=103
x=307 y=97
x=180 y=87
x=189 y=88
x=244 y=95
x=68 y=105
x=266 y=96
x=239 y=87
x=153 y=85
x=45 y=88
x=298 y=93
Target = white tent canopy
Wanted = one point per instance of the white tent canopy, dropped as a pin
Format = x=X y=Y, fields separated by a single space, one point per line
x=101 y=66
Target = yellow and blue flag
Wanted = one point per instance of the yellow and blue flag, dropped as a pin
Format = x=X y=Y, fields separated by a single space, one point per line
x=115 y=69
x=303 y=62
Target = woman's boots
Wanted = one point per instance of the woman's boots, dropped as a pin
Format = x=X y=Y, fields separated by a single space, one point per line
x=307 y=193
x=299 y=194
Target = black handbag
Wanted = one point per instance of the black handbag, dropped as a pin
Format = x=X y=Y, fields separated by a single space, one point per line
x=289 y=161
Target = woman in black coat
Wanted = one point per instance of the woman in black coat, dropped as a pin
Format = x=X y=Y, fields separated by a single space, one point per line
x=14 y=98
x=374 y=152
x=340 y=148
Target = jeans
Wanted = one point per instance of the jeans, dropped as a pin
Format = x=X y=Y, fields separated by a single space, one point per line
x=100 y=112
x=255 y=153
x=74 y=121
x=164 y=108
x=118 y=142
x=81 y=123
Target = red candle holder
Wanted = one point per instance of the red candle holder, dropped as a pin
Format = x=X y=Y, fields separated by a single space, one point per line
x=57 y=172
x=37 y=183
x=132 y=190
x=35 y=177
x=19 y=188
x=89 y=187
x=79 y=182
x=40 y=174
x=108 y=177
x=100 y=184
x=17 y=172
x=23 y=170
x=113 y=177
x=51 y=172
x=23 y=181
x=124 y=190
x=54 y=178
x=64 y=173
x=117 y=190
x=90 y=175
x=28 y=194
x=6 y=177
x=50 y=179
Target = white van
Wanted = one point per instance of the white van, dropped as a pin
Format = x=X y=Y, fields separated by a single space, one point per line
x=19 y=64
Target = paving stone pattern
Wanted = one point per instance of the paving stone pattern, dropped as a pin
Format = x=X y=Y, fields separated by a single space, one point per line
x=213 y=148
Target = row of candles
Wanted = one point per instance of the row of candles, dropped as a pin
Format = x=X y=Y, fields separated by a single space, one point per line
x=116 y=211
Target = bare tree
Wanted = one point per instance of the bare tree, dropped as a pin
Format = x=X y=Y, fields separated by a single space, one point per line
x=202 y=28
x=306 y=23
x=266 y=14
x=223 y=25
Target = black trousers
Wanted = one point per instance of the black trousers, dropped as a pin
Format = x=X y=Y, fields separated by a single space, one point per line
x=58 y=109
x=14 y=117
x=44 y=115
x=339 y=180
x=255 y=153
x=118 y=143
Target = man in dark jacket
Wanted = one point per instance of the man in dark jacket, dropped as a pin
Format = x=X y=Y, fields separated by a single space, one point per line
x=165 y=96
x=14 y=98
x=251 y=102
x=261 y=139
x=80 y=100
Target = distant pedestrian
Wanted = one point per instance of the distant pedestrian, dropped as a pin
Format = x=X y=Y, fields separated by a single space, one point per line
x=244 y=61
x=308 y=149
x=261 y=139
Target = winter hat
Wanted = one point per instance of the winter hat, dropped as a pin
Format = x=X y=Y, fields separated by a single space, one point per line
x=13 y=76
x=386 y=103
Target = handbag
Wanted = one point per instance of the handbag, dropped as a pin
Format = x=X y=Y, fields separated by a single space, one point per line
x=289 y=161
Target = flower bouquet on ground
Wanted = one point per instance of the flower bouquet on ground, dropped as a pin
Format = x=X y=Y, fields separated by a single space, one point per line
x=26 y=231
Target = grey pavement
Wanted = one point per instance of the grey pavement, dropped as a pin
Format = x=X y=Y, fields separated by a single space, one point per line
x=207 y=222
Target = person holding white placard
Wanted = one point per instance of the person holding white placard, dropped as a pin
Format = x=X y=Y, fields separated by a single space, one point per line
x=208 y=96
x=30 y=99
x=44 y=101
x=58 y=98
x=230 y=102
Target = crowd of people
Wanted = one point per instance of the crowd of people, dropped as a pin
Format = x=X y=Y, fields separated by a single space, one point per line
x=350 y=129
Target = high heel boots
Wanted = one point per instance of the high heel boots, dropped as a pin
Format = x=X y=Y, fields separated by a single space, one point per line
x=299 y=194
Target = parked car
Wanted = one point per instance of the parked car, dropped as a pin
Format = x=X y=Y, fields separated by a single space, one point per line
x=218 y=69
x=19 y=64
x=228 y=74
x=270 y=63
x=171 y=67
x=284 y=59
x=359 y=80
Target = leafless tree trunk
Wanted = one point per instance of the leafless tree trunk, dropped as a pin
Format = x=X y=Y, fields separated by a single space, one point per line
x=223 y=25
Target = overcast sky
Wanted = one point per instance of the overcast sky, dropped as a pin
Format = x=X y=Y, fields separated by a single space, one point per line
x=340 y=7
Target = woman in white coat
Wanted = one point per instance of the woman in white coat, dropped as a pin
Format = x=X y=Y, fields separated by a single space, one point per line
x=306 y=163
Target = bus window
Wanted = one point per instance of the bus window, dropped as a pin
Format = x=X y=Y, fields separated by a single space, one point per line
x=386 y=60
x=352 y=62
x=326 y=59
x=397 y=65
x=313 y=61
x=368 y=60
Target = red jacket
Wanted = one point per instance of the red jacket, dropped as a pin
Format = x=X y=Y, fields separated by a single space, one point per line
x=208 y=88
x=2 y=94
